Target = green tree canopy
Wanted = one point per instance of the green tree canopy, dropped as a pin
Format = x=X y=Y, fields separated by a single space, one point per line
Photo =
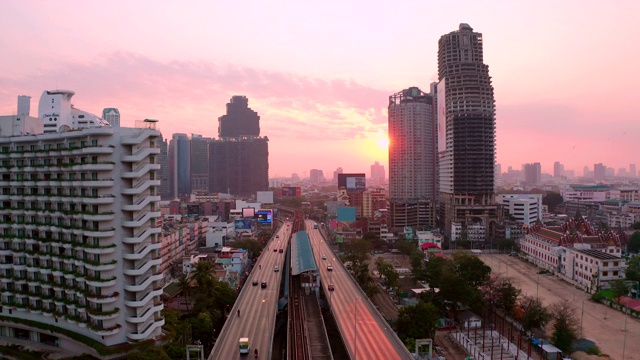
x=535 y=316
x=634 y=242
x=470 y=268
x=552 y=200
x=565 y=325
x=419 y=321
x=149 y=353
x=633 y=268
x=252 y=245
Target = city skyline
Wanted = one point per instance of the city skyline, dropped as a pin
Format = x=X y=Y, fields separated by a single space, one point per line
x=321 y=90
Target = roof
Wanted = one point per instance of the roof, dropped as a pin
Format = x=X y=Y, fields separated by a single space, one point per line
x=301 y=254
x=427 y=245
x=599 y=254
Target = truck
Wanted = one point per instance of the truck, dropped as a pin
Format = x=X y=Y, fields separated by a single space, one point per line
x=244 y=345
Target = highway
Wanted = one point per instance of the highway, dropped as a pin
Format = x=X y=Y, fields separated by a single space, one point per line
x=258 y=306
x=364 y=331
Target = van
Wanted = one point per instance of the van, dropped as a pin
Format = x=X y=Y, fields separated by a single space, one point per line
x=476 y=251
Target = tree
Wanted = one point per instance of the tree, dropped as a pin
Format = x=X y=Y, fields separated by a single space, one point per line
x=184 y=284
x=619 y=288
x=470 y=268
x=636 y=226
x=149 y=353
x=390 y=275
x=419 y=321
x=633 y=269
x=406 y=247
x=535 y=315
x=565 y=325
x=202 y=329
x=379 y=263
x=552 y=200
x=498 y=292
x=253 y=246
x=634 y=242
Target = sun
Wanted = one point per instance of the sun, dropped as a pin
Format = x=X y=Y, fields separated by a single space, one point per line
x=383 y=142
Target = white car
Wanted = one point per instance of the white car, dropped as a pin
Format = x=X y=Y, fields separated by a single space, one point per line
x=324 y=257
x=329 y=268
x=276 y=268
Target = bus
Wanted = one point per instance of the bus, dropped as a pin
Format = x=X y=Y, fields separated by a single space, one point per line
x=244 y=345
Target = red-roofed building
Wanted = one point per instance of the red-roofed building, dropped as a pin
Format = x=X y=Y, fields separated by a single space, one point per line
x=577 y=252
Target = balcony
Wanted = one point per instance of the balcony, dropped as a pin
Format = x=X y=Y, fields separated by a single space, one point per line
x=144 y=300
x=101 y=282
x=98 y=167
x=101 y=200
x=147 y=314
x=144 y=284
x=143 y=269
x=142 y=236
x=140 y=137
x=99 y=250
x=142 y=220
x=105 y=332
x=145 y=334
x=144 y=202
x=97 y=183
x=141 y=154
x=141 y=254
x=98 y=217
x=103 y=315
x=102 y=267
x=140 y=188
x=97 y=150
x=100 y=233
x=103 y=299
x=138 y=173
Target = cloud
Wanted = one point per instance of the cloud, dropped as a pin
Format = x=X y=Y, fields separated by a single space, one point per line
x=193 y=95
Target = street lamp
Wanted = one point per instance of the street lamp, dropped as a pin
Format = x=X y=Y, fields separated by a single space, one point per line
x=355 y=329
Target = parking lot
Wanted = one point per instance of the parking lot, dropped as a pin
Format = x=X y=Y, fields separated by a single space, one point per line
x=601 y=324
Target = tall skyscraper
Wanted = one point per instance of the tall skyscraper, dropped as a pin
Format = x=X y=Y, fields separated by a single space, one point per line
x=532 y=173
x=112 y=115
x=199 y=163
x=377 y=174
x=240 y=119
x=165 y=169
x=83 y=256
x=412 y=155
x=558 y=169
x=316 y=176
x=632 y=170
x=239 y=159
x=337 y=172
x=466 y=137
x=599 y=171
x=180 y=163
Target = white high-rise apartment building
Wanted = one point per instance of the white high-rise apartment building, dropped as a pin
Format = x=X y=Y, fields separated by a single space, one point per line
x=79 y=241
x=525 y=208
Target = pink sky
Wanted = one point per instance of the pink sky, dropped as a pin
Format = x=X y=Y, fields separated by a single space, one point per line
x=565 y=75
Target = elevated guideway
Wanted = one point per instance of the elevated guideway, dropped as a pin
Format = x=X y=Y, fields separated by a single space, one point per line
x=258 y=306
x=365 y=333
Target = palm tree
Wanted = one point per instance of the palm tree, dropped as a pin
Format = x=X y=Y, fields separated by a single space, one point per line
x=184 y=284
x=202 y=273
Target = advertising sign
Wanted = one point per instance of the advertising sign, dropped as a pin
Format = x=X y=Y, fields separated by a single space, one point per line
x=291 y=191
x=353 y=182
x=264 y=216
x=243 y=224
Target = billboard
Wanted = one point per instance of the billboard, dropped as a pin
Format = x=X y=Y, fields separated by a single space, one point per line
x=264 y=216
x=193 y=210
x=248 y=212
x=264 y=197
x=442 y=117
x=347 y=214
x=243 y=224
x=291 y=191
x=352 y=182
